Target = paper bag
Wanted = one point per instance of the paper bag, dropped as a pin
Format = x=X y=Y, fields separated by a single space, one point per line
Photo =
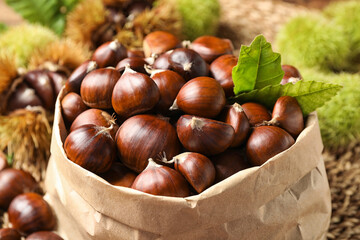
x=288 y=197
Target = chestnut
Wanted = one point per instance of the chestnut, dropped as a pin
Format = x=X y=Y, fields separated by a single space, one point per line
x=135 y=63
x=109 y=54
x=197 y=169
x=169 y=84
x=58 y=80
x=162 y=62
x=22 y=97
x=73 y=83
x=228 y=163
x=201 y=96
x=135 y=53
x=134 y=93
x=97 y=87
x=145 y=136
x=72 y=105
x=291 y=74
x=287 y=114
x=137 y=7
x=256 y=113
x=97 y=117
x=204 y=135
x=221 y=70
x=14 y=182
x=210 y=47
x=188 y=63
x=29 y=213
x=159 y=42
x=236 y=117
x=44 y=235
x=39 y=80
x=91 y=147
x=3 y=161
x=119 y=175
x=266 y=142
x=9 y=234
x=160 y=180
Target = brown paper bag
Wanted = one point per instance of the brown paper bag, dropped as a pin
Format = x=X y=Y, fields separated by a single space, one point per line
x=286 y=198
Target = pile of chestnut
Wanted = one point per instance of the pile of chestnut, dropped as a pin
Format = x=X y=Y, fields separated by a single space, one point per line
x=29 y=214
x=158 y=120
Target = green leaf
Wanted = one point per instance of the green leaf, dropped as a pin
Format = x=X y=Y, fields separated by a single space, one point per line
x=310 y=94
x=258 y=66
x=50 y=13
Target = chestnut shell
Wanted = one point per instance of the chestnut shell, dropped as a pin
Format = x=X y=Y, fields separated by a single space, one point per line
x=97 y=87
x=203 y=135
x=145 y=136
x=119 y=175
x=14 y=182
x=92 y=147
x=29 y=213
x=221 y=70
x=72 y=105
x=256 y=113
x=73 y=83
x=201 y=96
x=210 y=47
x=9 y=234
x=266 y=142
x=161 y=180
x=159 y=42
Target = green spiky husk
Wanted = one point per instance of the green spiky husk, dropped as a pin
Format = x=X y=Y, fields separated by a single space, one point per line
x=200 y=17
x=338 y=118
x=347 y=15
x=313 y=40
x=23 y=39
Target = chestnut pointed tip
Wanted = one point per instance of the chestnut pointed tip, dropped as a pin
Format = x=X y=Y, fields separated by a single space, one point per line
x=114 y=45
x=237 y=107
x=187 y=66
x=174 y=106
x=197 y=123
x=186 y=44
x=128 y=69
x=92 y=65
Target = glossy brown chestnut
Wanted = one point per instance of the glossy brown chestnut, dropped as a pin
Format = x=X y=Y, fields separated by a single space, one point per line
x=145 y=136
x=97 y=117
x=266 y=142
x=197 y=169
x=228 y=163
x=22 y=97
x=109 y=54
x=162 y=62
x=235 y=116
x=221 y=70
x=72 y=105
x=134 y=93
x=161 y=180
x=287 y=114
x=159 y=42
x=119 y=175
x=14 y=182
x=135 y=53
x=135 y=63
x=256 y=113
x=39 y=80
x=9 y=234
x=210 y=47
x=58 y=80
x=188 y=63
x=44 y=235
x=29 y=213
x=3 y=161
x=203 y=135
x=169 y=84
x=92 y=147
x=73 y=83
x=291 y=74
x=201 y=96
x=97 y=87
